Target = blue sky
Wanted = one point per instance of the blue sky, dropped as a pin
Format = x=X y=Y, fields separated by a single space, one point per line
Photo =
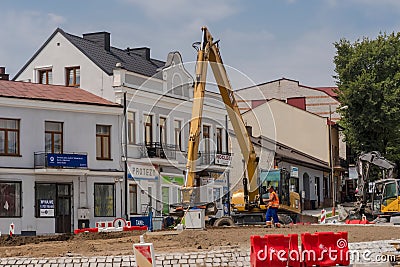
x=265 y=40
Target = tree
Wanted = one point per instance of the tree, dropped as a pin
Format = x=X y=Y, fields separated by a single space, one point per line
x=368 y=80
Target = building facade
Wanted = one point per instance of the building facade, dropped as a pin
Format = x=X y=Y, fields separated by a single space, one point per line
x=158 y=103
x=60 y=158
x=294 y=139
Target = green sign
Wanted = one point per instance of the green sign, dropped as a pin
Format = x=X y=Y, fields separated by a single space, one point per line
x=178 y=180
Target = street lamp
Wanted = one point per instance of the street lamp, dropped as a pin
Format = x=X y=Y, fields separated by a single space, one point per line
x=331 y=163
x=331 y=158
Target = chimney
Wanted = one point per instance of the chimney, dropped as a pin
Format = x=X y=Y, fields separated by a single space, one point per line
x=3 y=75
x=100 y=38
x=141 y=51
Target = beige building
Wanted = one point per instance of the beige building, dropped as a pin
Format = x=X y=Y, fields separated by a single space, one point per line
x=292 y=138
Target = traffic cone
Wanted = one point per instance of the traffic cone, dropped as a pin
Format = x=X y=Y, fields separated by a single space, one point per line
x=12 y=227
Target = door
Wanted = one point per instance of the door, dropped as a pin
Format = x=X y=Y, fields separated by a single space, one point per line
x=63 y=210
x=317 y=191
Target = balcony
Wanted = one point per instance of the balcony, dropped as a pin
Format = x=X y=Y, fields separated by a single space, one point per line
x=213 y=158
x=68 y=160
x=158 y=150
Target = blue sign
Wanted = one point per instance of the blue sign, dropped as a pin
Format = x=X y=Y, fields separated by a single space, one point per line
x=67 y=160
x=142 y=221
x=47 y=203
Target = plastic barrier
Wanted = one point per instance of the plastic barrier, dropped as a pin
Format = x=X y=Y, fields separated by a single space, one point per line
x=323 y=216
x=325 y=249
x=110 y=229
x=86 y=230
x=358 y=222
x=274 y=250
x=135 y=228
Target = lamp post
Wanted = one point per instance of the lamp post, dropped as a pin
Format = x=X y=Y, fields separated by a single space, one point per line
x=331 y=163
x=331 y=158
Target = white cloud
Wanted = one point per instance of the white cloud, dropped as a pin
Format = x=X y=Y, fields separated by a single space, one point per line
x=183 y=10
x=23 y=32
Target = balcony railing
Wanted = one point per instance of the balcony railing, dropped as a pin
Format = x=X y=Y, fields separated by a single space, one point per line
x=68 y=160
x=159 y=150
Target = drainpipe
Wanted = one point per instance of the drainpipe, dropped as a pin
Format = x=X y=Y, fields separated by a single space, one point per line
x=126 y=157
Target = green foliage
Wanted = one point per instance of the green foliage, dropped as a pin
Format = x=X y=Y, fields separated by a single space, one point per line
x=368 y=78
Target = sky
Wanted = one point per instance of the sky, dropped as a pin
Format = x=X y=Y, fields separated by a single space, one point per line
x=263 y=40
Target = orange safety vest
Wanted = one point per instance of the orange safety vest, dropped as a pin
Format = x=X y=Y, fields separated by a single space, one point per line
x=274 y=202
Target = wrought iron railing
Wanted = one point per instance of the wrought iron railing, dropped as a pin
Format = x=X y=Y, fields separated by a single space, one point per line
x=158 y=150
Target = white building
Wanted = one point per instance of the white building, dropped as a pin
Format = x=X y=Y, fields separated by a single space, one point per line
x=59 y=146
x=159 y=109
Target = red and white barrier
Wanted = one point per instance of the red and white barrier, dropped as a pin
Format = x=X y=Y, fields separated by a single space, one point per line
x=117 y=225
x=323 y=216
x=144 y=254
x=12 y=229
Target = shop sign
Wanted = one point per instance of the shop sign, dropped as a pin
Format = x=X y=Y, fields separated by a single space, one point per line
x=145 y=172
x=46 y=207
x=222 y=159
x=178 y=180
x=294 y=172
x=67 y=160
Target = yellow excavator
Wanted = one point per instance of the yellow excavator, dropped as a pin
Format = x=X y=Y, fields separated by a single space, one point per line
x=247 y=205
x=376 y=197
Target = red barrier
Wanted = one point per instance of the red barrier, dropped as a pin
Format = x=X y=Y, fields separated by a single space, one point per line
x=325 y=249
x=358 y=222
x=135 y=228
x=86 y=230
x=274 y=251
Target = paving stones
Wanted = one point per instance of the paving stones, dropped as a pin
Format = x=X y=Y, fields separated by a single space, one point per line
x=364 y=254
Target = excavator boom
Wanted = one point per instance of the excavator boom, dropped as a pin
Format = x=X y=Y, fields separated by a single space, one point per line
x=208 y=52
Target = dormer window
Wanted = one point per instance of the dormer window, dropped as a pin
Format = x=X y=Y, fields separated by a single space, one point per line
x=73 y=76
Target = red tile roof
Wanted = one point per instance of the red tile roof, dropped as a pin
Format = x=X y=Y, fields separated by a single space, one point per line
x=59 y=93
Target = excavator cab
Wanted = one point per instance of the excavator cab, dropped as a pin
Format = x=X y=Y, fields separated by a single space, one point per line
x=385 y=197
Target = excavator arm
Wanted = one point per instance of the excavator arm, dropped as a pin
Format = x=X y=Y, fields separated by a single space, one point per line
x=364 y=162
x=208 y=51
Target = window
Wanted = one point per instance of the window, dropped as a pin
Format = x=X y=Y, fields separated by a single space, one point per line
x=53 y=137
x=104 y=200
x=219 y=140
x=9 y=137
x=73 y=76
x=10 y=199
x=163 y=130
x=103 y=142
x=148 y=129
x=46 y=76
x=206 y=137
x=45 y=194
x=133 y=199
x=178 y=134
x=131 y=128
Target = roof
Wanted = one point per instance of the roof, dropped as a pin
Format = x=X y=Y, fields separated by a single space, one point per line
x=35 y=91
x=104 y=59
x=329 y=90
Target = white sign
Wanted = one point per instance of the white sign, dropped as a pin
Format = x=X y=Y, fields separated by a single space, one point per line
x=142 y=171
x=46 y=212
x=222 y=159
x=294 y=172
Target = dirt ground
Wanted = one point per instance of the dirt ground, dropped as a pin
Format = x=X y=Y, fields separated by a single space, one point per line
x=120 y=243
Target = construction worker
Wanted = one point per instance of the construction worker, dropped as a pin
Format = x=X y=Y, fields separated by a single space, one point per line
x=273 y=205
